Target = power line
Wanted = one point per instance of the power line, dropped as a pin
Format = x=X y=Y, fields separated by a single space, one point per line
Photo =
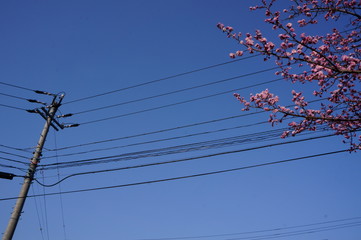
x=181 y=177
x=172 y=104
x=156 y=153
x=16 y=86
x=161 y=79
x=15 y=155
x=187 y=147
x=14 y=148
x=248 y=138
x=11 y=160
x=37 y=212
x=13 y=167
x=185 y=89
x=158 y=131
x=46 y=224
x=13 y=96
x=217 y=143
x=60 y=190
x=158 y=140
x=256 y=231
x=300 y=232
x=165 y=130
x=26 y=99
x=181 y=102
x=161 y=163
x=12 y=107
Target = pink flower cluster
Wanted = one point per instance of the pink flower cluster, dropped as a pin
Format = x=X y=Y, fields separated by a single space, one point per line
x=334 y=62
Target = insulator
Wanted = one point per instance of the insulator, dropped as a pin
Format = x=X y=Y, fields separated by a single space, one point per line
x=32 y=111
x=65 y=115
x=71 y=125
x=45 y=93
x=35 y=101
x=5 y=175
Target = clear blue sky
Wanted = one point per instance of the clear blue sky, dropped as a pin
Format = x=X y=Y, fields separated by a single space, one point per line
x=84 y=48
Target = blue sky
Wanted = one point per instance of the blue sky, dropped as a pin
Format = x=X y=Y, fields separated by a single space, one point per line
x=85 y=48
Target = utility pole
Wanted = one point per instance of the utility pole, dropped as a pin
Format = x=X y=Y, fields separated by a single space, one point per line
x=48 y=115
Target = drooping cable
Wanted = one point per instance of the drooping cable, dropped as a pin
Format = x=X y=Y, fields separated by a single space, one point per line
x=184 y=177
x=156 y=164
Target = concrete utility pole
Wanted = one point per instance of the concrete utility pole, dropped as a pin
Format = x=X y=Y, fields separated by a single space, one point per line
x=49 y=116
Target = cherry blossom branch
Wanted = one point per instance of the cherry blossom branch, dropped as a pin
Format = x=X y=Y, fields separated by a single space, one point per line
x=333 y=59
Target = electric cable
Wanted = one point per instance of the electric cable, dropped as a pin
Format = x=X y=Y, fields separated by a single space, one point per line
x=157 y=140
x=27 y=89
x=46 y=224
x=157 y=131
x=299 y=232
x=12 y=107
x=161 y=163
x=14 y=148
x=249 y=140
x=15 y=155
x=174 y=104
x=165 y=130
x=12 y=160
x=205 y=145
x=131 y=156
x=165 y=106
x=255 y=231
x=13 y=167
x=180 y=177
x=13 y=96
x=21 y=98
x=60 y=190
x=38 y=215
x=16 y=86
x=186 y=89
x=195 y=145
x=161 y=79
x=218 y=143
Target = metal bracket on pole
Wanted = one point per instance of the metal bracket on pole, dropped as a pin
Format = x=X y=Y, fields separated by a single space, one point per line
x=45 y=116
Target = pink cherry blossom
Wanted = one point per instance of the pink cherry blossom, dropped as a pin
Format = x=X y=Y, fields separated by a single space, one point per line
x=333 y=59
